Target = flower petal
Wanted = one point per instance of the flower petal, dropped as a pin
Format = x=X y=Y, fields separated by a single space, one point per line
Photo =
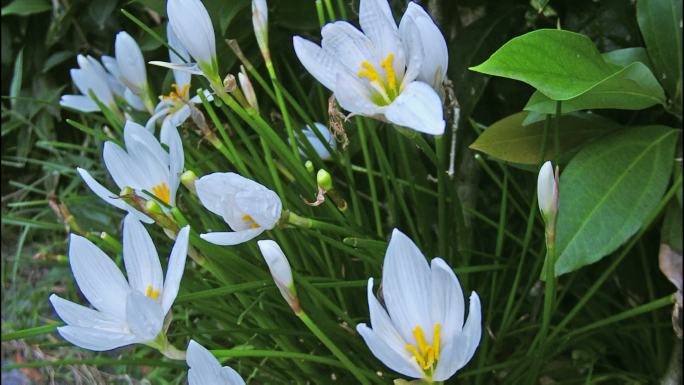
x=121 y=167
x=133 y=100
x=77 y=315
x=96 y=339
x=262 y=204
x=406 y=286
x=216 y=191
x=386 y=354
x=140 y=257
x=111 y=198
x=192 y=25
x=460 y=349
x=174 y=271
x=191 y=68
x=169 y=136
x=231 y=238
x=182 y=78
x=160 y=112
x=131 y=63
x=447 y=306
x=139 y=139
x=377 y=22
x=320 y=64
x=79 y=103
x=144 y=316
x=434 y=67
x=349 y=46
x=230 y=377
x=417 y=107
x=204 y=367
x=354 y=96
x=383 y=326
x=97 y=276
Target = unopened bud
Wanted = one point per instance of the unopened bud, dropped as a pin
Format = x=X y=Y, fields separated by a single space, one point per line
x=260 y=23
x=152 y=207
x=547 y=192
x=324 y=180
x=280 y=271
x=229 y=83
x=188 y=179
x=247 y=88
x=309 y=167
x=126 y=191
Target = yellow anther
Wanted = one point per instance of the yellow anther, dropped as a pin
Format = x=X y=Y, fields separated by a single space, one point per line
x=152 y=293
x=389 y=71
x=426 y=355
x=371 y=73
x=177 y=93
x=251 y=221
x=162 y=192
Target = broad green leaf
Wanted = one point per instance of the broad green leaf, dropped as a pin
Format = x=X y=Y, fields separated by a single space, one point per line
x=608 y=190
x=511 y=140
x=632 y=88
x=26 y=7
x=560 y=64
x=660 y=22
x=626 y=56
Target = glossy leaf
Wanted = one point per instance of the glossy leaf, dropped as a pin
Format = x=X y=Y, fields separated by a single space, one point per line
x=512 y=140
x=560 y=64
x=26 y=7
x=608 y=190
x=632 y=88
x=660 y=22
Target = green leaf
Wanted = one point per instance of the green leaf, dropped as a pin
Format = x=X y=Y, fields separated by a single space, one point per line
x=560 y=64
x=626 y=56
x=512 y=140
x=608 y=190
x=26 y=7
x=17 y=77
x=660 y=22
x=632 y=88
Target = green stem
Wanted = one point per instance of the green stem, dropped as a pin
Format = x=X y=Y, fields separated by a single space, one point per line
x=332 y=347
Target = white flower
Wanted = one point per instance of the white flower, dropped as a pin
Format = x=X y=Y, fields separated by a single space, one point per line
x=90 y=76
x=117 y=85
x=385 y=72
x=206 y=370
x=192 y=26
x=421 y=334
x=248 y=207
x=547 y=191
x=125 y=312
x=144 y=165
x=280 y=271
x=316 y=143
x=260 y=23
x=130 y=63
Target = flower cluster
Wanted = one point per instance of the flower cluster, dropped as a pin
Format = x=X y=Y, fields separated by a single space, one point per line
x=391 y=72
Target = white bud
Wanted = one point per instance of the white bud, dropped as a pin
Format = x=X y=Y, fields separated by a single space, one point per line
x=247 y=88
x=191 y=23
x=130 y=63
x=260 y=23
x=547 y=191
x=280 y=271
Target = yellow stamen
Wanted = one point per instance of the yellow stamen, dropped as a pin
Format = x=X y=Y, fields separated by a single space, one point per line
x=162 y=192
x=177 y=93
x=426 y=355
x=152 y=293
x=371 y=73
x=389 y=71
x=251 y=221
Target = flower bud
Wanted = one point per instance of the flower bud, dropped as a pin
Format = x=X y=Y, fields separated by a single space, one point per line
x=260 y=23
x=229 y=84
x=130 y=63
x=192 y=25
x=547 y=192
x=280 y=271
x=152 y=207
x=188 y=179
x=324 y=180
x=247 y=89
x=309 y=167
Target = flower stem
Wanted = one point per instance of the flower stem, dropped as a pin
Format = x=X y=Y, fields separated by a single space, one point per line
x=332 y=347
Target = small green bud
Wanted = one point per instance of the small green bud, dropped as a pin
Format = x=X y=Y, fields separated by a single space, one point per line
x=188 y=179
x=309 y=167
x=324 y=180
x=126 y=191
x=153 y=207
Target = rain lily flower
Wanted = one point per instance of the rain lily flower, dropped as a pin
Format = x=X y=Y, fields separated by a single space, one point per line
x=90 y=76
x=117 y=85
x=316 y=143
x=248 y=207
x=126 y=312
x=206 y=370
x=131 y=67
x=420 y=332
x=280 y=271
x=191 y=23
x=547 y=192
x=144 y=165
x=176 y=107
x=386 y=72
